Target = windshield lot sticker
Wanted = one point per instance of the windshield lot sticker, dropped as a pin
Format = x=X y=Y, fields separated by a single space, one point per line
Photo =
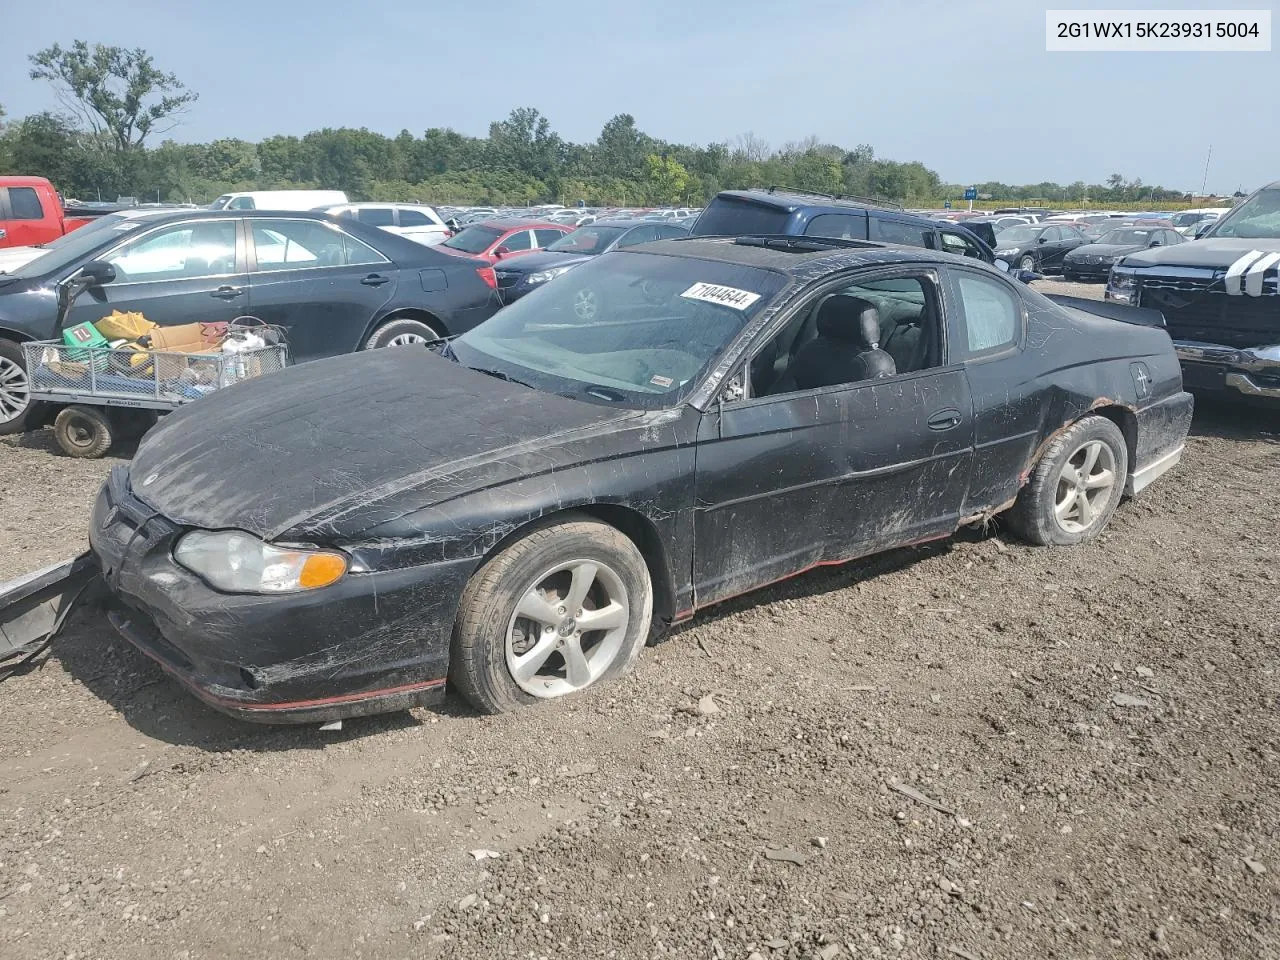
x=724 y=296
x=660 y=381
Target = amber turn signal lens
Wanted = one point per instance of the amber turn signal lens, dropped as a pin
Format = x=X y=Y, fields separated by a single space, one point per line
x=321 y=569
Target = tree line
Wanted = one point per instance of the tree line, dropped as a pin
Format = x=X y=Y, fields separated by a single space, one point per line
x=116 y=103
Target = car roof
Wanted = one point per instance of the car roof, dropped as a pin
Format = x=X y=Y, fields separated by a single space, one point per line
x=792 y=255
x=792 y=200
x=517 y=223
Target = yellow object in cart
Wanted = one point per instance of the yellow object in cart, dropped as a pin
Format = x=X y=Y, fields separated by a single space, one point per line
x=124 y=326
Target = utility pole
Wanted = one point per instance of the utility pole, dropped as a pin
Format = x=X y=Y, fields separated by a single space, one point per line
x=1205 y=182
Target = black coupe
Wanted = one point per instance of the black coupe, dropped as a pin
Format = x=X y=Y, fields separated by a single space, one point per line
x=514 y=513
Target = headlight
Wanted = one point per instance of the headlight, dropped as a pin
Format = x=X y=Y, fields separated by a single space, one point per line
x=239 y=562
x=542 y=276
x=1121 y=286
x=1009 y=252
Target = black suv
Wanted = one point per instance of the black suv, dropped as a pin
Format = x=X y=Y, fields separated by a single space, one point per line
x=780 y=211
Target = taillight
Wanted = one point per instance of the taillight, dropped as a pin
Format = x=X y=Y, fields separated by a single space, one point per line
x=488 y=276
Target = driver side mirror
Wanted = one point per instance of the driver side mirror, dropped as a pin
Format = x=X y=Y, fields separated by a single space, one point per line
x=98 y=272
x=1202 y=229
x=502 y=252
x=1042 y=239
x=1156 y=243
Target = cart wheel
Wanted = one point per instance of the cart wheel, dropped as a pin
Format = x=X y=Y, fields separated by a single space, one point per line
x=83 y=431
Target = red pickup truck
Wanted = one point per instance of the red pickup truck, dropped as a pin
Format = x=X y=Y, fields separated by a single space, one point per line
x=31 y=212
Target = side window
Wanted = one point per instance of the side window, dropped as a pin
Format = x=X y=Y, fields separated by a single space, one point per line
x=376 y=216
x=667 y=232
x=865 y=331
x=896 y=231
x=992 y=312
x=548 y=237
x=1051 y=234
x=24 y=204
x=180 y=251
x=1071 y=233
x=413 y=218
x=522 y=240
x=241 y=203
x=300 y=244
x=639 y=235
x=959 y=244
x=841 y=226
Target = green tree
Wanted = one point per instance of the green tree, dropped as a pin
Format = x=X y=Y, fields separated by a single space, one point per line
x=119 y=94
x=666 y=178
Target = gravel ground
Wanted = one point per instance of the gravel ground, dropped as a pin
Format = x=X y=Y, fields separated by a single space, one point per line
x=974 y=749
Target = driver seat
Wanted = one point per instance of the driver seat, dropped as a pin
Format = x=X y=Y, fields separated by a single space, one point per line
x=846 y=349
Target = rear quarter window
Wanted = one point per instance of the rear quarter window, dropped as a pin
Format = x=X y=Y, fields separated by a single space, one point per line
x=899 y=231
x=843 y=226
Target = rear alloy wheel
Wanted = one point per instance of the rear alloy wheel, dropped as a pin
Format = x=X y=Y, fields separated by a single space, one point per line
x=401 y=332
x=563 y=609
x=17 y=412
x=1076 y=486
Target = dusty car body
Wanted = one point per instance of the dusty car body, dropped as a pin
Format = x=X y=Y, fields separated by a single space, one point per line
x=1220 y=296
x=767 y=454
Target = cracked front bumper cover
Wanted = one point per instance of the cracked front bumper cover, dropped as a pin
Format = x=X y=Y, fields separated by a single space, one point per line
x=1253 y=372
x=371 y=643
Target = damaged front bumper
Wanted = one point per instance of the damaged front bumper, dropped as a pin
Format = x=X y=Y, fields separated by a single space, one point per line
x=370 y=643
x=1253 y=372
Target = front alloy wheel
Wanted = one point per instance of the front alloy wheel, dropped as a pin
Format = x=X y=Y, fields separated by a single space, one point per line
x=15 y=391
x=567 y=629
x=563 y=609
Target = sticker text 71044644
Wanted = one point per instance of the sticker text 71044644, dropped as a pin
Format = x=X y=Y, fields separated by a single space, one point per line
x=724 y=296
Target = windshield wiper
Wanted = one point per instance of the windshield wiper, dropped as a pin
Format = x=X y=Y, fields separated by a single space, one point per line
x=603 y=392
x=501 y=376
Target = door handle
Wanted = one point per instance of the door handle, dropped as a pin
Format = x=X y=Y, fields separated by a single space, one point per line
x=375 y=280
x=945 y=419
x=227 y=292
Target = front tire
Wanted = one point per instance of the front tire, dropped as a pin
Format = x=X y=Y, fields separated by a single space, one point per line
x=1028 y=262
x=565 y=608
x=18 y=412
x=1076 y=486
x=401 y=332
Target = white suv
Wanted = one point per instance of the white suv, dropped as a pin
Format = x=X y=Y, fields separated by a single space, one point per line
x=414 y=221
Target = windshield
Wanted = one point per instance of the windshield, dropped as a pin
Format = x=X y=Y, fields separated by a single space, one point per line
x=631 y=329
x=473 y=239
x=1120 y=237
x=734 y=217
x=1016 y=236
x=587 y=240
x=79 y=244
x=221 y=202
x=1256 y=218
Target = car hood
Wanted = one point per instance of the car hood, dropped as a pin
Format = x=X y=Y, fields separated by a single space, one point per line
x=544 y=260
x=13 y=257
x=327 y=450
x=1213 y=252
x=1104 y=250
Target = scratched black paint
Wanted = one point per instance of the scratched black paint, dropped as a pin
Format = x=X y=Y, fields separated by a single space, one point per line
x=420 y=469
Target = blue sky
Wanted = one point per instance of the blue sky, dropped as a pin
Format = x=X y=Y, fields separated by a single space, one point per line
x=964 y=86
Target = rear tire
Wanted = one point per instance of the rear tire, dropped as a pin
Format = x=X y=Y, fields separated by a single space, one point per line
x=1076 y=486
x=18 y=412
x=83 y=431
x=401 y=332
x=523 y=631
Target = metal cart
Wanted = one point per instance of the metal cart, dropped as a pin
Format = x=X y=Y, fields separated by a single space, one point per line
x=111 y=393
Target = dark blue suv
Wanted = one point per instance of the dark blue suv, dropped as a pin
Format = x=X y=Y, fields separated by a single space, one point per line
x=780 y=211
